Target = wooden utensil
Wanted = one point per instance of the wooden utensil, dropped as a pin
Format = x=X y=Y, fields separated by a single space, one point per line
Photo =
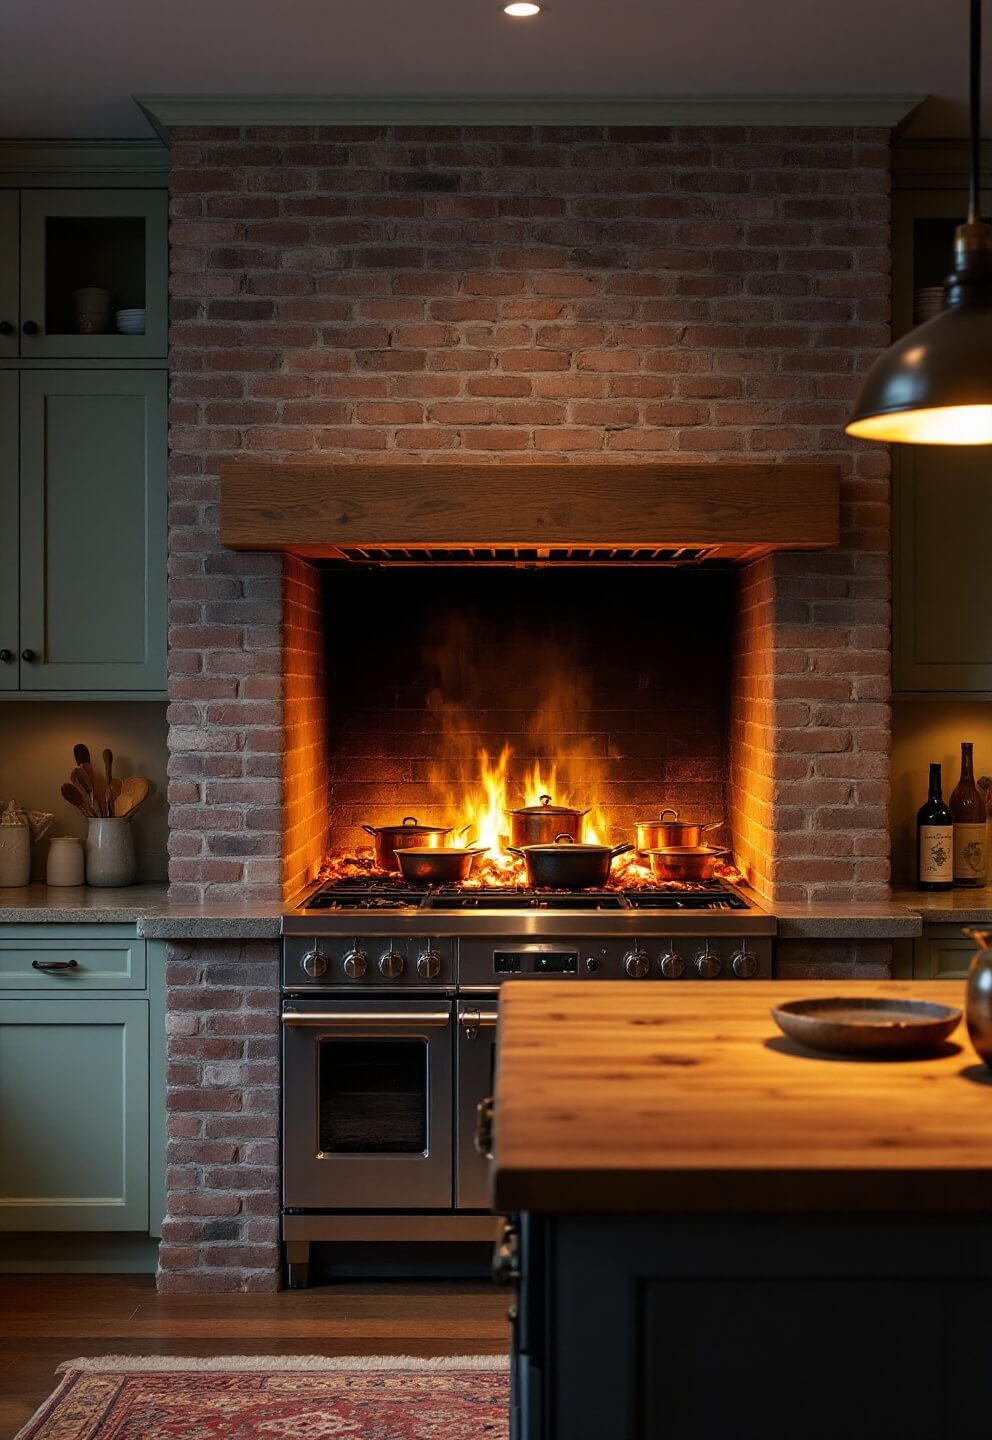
x=134 y=792
x=75 y=796
x=108 y=789
x=80 y=777
x=81 y=754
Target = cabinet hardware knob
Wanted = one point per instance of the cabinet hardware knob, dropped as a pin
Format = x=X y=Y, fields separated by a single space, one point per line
x=6 y=328
x=6 y=656
x=54 y=965
x=30 y=327
x=28 y=655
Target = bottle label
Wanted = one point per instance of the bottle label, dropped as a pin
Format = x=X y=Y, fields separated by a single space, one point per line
x=970 y=853
x=937 y=854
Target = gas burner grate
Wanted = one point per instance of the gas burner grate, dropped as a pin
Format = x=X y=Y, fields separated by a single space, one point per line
x=364 y=895
x=717 y=898
x=498 y=899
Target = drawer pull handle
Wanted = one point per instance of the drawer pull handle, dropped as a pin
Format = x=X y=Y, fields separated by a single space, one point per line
x=54 y=965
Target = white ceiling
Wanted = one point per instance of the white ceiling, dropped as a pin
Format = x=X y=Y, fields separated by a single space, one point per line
x=71 y=66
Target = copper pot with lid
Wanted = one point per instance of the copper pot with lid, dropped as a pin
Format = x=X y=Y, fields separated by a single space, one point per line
x=541 y=824
x=566 y=864
x=662 y=833
x=387 y=839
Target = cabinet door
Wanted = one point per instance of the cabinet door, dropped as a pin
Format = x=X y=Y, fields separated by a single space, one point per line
x=9 y=507
x=76 y=241
x=942 y=953
x=942 y=505
x=93 y=530
x=9 y=279
x=73 y=1114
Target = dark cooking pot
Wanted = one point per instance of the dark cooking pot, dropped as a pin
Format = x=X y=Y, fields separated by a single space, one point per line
x=663 y=833
x=390 y=838
x=437 y=865
x=567 y=865
x=539 y=824
x=685 y=862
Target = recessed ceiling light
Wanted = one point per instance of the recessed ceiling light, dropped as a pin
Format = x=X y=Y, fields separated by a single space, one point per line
x=521 y=9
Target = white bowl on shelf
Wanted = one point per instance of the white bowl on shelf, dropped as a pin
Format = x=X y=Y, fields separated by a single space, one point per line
x=130 y=322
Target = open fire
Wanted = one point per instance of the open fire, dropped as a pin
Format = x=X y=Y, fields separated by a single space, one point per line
x=480 y=818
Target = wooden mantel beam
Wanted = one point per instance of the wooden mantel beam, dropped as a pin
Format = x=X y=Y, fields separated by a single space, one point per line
x=743 y=508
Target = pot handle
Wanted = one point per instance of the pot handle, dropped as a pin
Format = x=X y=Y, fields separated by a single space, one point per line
x=409 y=820
x=369 y=829
x=564 y=839
x=668 y=810
x=545 y=799
x=515 y=850
x=620 y=850
x=712 y=824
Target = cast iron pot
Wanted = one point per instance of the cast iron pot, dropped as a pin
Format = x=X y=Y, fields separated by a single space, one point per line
x=387 y=839
x=540 y=824
x=662 y=833
x=437 y=865
x=684 y=862
x=567 y=865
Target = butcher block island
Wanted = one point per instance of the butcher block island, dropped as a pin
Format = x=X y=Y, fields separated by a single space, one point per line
x=715 y=1232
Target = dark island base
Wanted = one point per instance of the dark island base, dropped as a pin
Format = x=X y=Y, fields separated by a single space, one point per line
x=729 y=1327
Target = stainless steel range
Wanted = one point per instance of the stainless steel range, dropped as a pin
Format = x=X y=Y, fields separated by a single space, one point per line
x=389 y=1008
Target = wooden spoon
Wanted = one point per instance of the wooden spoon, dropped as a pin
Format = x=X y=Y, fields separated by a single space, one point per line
x=81 y=779
x=108 y=790
x=81 y=754
x=134 y=792
x=76 y=797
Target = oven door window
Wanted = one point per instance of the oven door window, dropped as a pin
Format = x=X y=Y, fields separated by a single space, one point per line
x=373 y=1097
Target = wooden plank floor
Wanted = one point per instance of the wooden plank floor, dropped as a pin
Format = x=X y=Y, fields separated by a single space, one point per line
x=45 y=1319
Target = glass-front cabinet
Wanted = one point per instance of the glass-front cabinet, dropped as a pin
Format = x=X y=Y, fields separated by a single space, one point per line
x=93 y=274
x=10 y=324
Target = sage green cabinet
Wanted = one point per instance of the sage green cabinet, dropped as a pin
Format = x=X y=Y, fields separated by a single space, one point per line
x=92 y=530
x=9 y=272
x=113 y=240
x=941 y=495
x=74 y=1114
x=9 y=546
x=942 y=953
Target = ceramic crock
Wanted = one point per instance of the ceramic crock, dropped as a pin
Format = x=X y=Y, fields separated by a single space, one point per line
x=978 y=994
x=110 y=857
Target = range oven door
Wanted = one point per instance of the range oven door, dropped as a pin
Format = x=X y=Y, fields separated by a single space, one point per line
x=367 y=1105
x=476 y=1077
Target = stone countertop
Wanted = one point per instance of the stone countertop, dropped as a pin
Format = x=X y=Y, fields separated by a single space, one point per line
x=146 y=906
x=883 y=920
x=950 y=907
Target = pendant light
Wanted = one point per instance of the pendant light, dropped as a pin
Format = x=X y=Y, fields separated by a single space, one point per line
x=934 y=386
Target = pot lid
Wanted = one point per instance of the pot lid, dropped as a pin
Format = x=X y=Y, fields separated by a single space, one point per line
x=432 y=852
x=409 y=825
x=546 y=808
x=565 y=842
x=676 y=824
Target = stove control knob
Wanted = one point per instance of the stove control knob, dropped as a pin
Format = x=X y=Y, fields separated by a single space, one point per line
x=708 y=964
x=745 y=964
x=429 y=964
x=356 y=962
x=314 y=963
x=672 y=965
x=637 y=964
x=392 y=964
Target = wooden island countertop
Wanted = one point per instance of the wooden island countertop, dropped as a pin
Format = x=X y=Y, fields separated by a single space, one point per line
x=686 y=1097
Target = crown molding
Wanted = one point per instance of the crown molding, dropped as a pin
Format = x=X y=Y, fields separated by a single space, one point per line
x=114 y=162
x=166 y=112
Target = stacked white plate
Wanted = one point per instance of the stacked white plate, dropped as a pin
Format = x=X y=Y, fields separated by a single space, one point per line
x=927 y=302
x=130 y=322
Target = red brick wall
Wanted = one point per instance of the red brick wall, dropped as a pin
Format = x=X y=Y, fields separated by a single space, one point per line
x=221 y=1230
x=374 y=293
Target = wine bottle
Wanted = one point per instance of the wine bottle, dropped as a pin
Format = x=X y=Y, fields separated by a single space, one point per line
x=970 y=813
x=935 y=840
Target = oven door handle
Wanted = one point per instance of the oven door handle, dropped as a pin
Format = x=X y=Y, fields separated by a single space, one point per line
x=476 y=1019
x=414 y=1020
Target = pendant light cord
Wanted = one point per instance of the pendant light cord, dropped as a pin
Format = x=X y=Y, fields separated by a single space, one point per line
x=975 y=117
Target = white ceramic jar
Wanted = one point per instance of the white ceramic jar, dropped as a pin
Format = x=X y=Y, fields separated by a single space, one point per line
x=110 y=857
x=65 y=861
x=15 y=852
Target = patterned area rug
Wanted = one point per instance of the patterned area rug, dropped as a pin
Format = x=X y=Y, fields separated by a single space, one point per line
x=260 y=1397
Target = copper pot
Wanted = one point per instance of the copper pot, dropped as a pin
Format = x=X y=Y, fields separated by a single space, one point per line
x=685 y=862
x=663 y=833
x=387 y=839
x=567 y=865
x=437 y=864
x=540 y=824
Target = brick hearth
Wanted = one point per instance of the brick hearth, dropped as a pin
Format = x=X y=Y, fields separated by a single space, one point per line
x=369 y=294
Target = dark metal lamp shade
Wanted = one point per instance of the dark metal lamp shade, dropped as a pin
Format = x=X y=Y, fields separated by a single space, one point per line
x=933 y=387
